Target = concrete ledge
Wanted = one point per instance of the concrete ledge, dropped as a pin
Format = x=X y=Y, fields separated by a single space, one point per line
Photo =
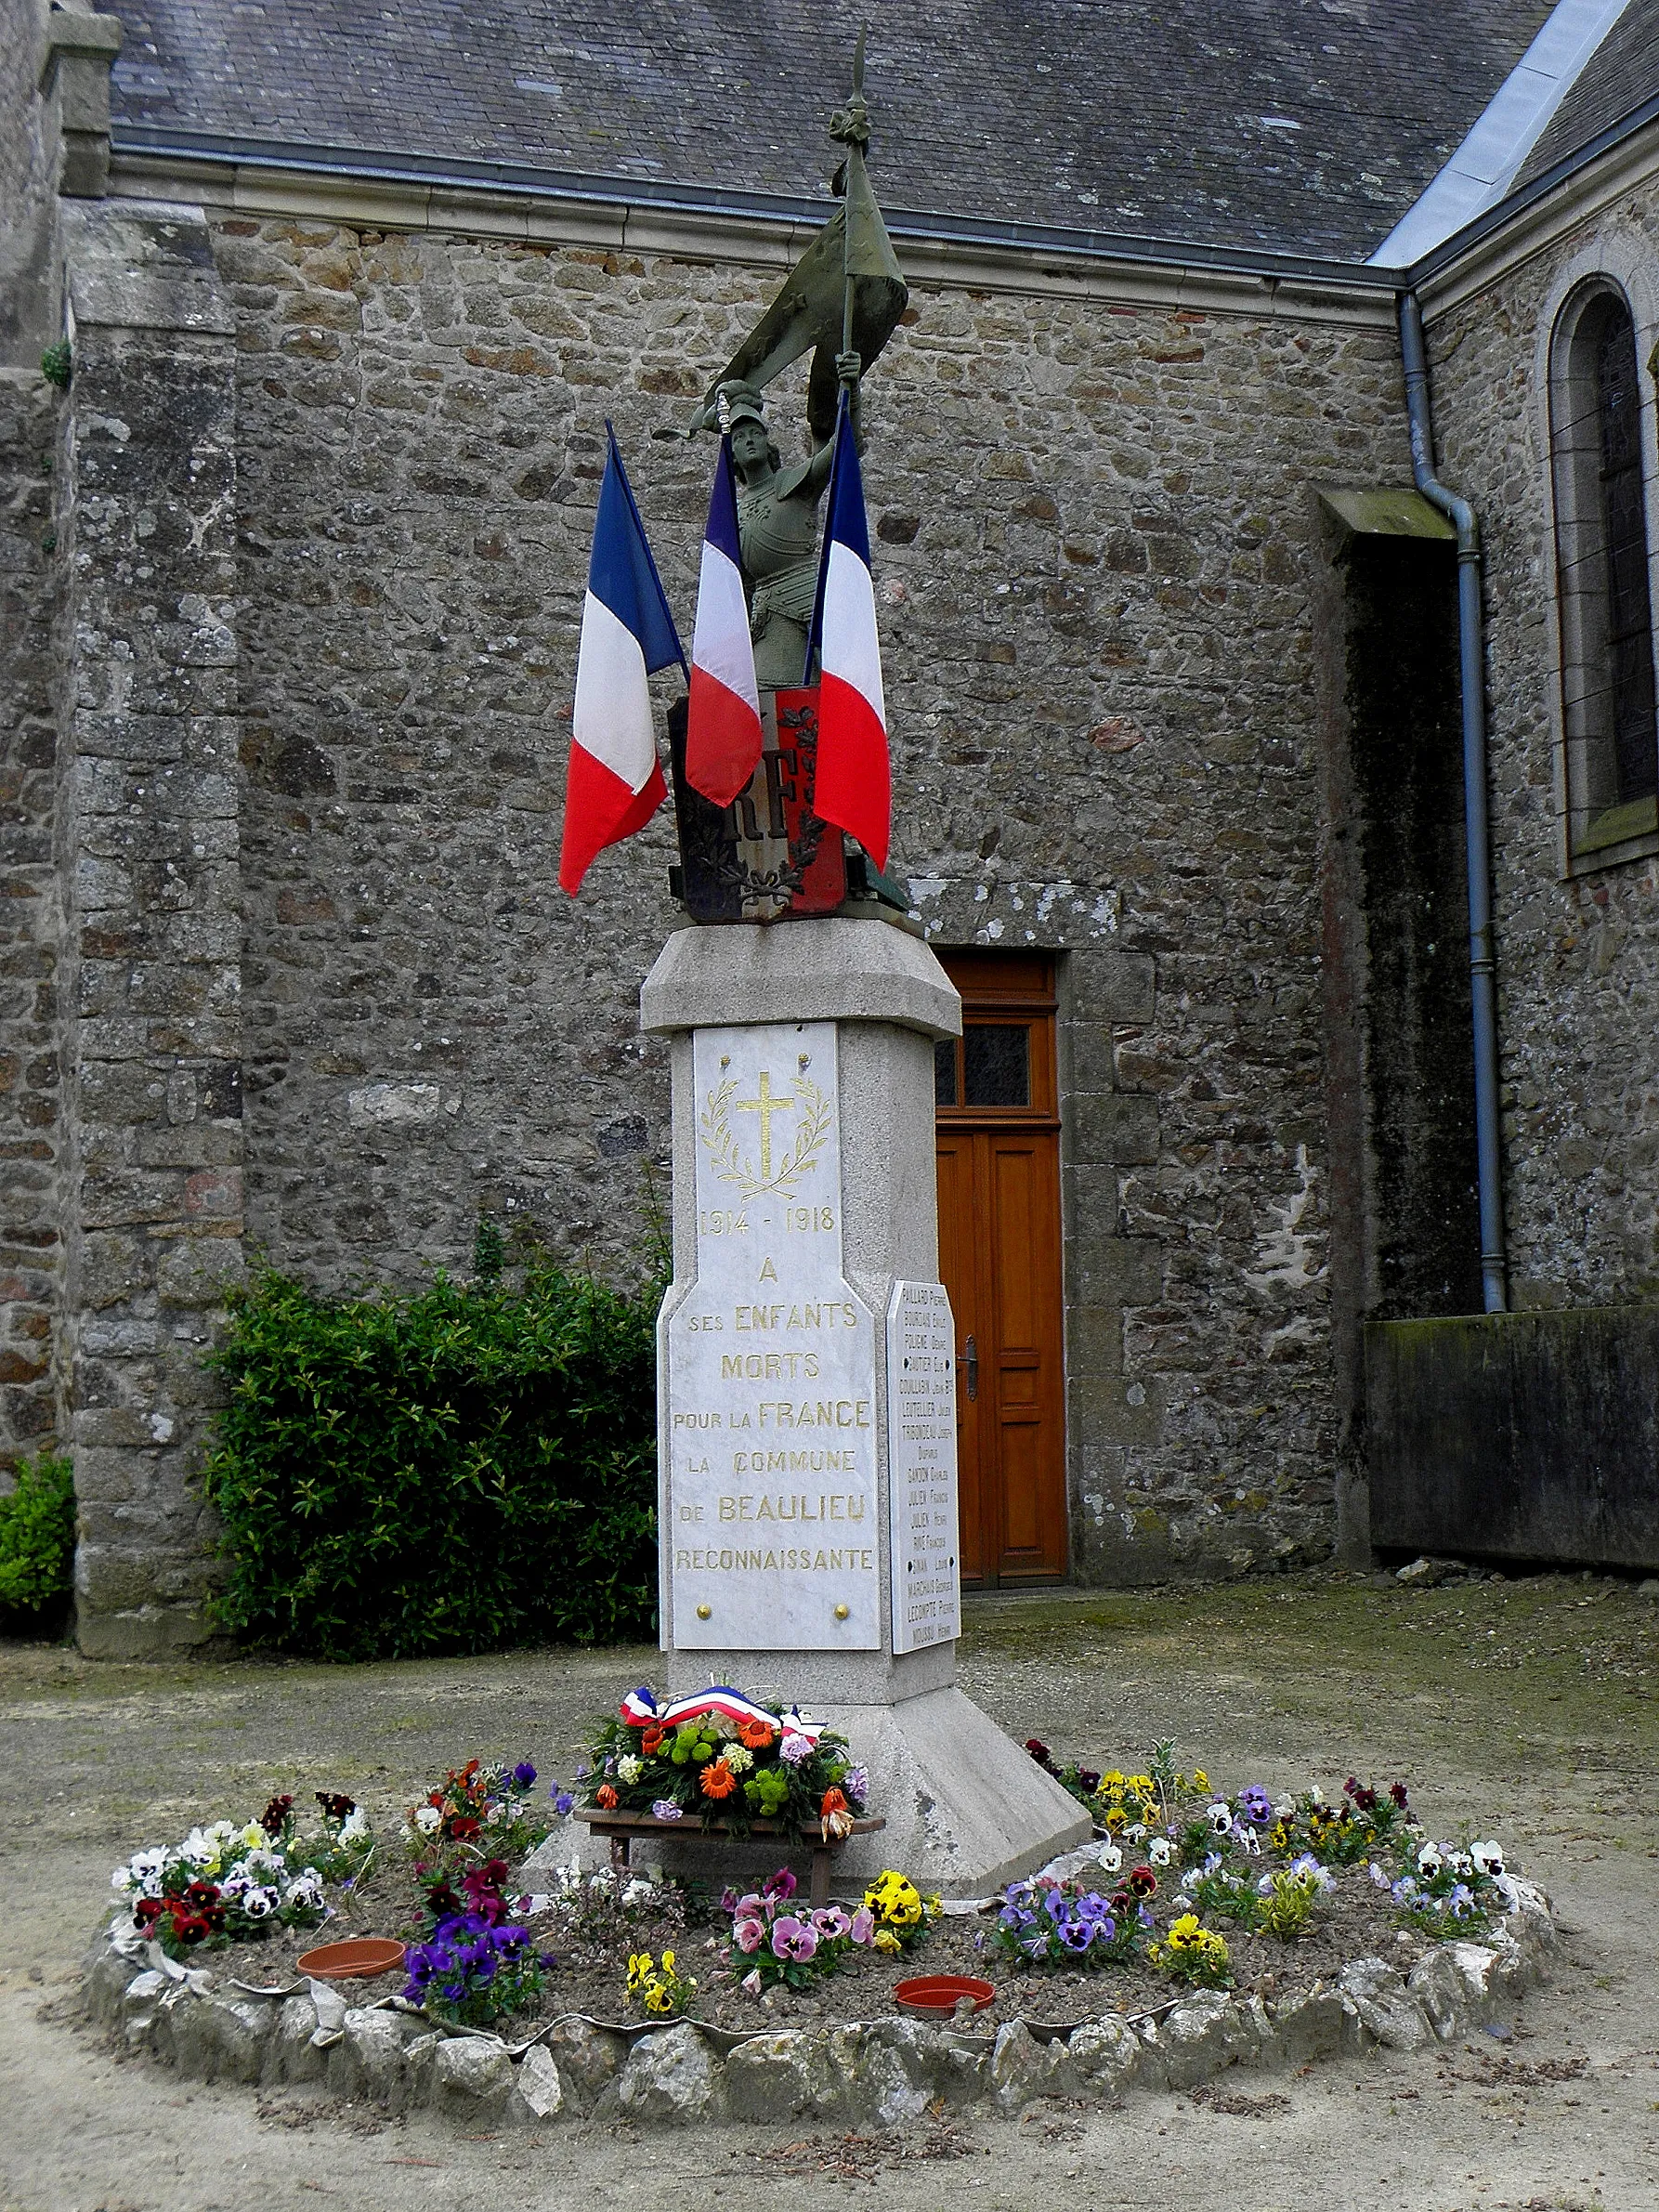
x=1530 y=1436
x=833 y=970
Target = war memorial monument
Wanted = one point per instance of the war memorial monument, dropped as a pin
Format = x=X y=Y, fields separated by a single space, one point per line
x=807 y=1504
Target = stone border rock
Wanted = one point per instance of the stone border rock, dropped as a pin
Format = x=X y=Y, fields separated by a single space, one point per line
x=859 y=2074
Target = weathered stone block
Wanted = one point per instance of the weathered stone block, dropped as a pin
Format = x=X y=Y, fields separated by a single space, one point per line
x=1317 y=2025
x=471 y=2076
x=588 y=2060
x=1106 y=2055
x=368 y=2061
x=221 y=2037
x=291 y=2056
x=1206 y=2033
x=1389 y=2008
x=1114 y=1128
x=785 y=2076
x=1022 y=2069
x=538 y=2085
x=671 y=2078
x=1106 y=1270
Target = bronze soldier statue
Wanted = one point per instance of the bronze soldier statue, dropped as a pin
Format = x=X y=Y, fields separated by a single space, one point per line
x=777 y=528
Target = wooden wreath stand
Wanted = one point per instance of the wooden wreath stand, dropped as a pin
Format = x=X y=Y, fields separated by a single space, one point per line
x=625 y=1828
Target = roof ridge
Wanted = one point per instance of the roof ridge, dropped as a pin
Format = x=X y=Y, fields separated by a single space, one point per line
x=1487 y=162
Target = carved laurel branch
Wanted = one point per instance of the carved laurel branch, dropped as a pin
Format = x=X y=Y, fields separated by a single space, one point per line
x=812 y=1127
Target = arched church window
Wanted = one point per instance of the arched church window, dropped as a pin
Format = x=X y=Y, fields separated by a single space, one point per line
x=1602 y=566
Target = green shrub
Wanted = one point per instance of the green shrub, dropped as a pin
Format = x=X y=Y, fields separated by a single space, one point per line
x=37 y=1549
x=451 y=1472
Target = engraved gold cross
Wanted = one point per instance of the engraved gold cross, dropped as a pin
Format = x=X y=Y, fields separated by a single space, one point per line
x=765 y=1105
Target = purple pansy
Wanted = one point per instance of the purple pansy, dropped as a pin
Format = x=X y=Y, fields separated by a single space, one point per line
x=793 y=1938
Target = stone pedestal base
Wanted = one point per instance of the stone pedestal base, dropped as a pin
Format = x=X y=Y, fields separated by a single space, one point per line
x=788 y=1473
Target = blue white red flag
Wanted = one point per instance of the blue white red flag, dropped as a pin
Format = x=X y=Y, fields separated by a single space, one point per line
x=723 y=734
x=854 y=787
x=640 y=1710
x=615 y=783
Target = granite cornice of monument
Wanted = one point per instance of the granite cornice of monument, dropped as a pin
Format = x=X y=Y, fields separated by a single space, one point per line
x=839 y=968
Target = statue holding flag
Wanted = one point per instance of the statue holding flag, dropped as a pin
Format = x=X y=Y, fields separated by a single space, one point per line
x=777 y=528
x=772 y=755
x=758 y=748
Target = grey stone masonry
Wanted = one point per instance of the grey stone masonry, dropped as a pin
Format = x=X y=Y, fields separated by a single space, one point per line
x=1577 y=945
x=32 y=1127
x=150 y=852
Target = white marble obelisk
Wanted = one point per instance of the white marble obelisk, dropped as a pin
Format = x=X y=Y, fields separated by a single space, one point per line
x=807 y=1377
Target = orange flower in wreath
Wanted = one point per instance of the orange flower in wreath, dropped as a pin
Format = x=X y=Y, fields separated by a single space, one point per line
x=604 y=1796
x=651 y=1742
x=834 y=1817
x=718 y=1780
x=755 y=1735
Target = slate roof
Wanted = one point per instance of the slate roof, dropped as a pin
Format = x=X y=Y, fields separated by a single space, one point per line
x=1298 y=125
x=1623 y=72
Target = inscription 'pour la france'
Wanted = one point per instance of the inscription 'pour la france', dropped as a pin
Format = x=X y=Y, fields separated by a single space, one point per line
x=771 y=1428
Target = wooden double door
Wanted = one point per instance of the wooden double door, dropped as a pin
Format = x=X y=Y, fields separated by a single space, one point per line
x=1000 y=1259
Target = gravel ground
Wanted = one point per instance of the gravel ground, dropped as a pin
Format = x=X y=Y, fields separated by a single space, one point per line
x=1526 y=1707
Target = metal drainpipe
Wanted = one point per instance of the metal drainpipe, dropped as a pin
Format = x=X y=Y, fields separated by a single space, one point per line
x=1482 y=964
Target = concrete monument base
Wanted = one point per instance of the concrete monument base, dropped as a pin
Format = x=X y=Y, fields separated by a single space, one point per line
x=806 y=1388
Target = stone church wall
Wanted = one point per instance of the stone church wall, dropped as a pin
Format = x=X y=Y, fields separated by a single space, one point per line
x=1578 y=955
x=1093 y=528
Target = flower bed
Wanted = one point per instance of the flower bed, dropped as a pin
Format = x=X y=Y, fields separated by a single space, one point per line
x=1200 y=1929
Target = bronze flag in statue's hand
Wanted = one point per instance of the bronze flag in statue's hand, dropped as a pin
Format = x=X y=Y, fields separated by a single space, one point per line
x=851 y=253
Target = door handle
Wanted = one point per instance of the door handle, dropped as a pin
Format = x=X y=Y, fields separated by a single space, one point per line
x=970 y=1361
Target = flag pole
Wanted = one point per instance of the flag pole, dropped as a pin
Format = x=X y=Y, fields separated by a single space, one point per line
x=854 y=154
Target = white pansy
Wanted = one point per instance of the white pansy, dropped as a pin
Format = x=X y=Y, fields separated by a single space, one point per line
x=1488 y=1856
x=259 y=1903
x=630 y=1769
x=304 y=1890
x=221 y=1833
x=1284 y=1808
x=356 y=1824
x=1160 y=1851
x=251 y=1838
x=1428 y=1858
x=1111 y=1858
x=1135 y=1832
x=1219 y=1817
x=427 y=1818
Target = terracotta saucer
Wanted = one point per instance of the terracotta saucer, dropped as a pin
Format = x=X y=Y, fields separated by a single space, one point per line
x=938 y=1995
x=360 y=1960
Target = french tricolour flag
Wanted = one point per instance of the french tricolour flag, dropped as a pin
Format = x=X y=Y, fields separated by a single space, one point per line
x=722 y=735
x=854 y=787
x=615 y=784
